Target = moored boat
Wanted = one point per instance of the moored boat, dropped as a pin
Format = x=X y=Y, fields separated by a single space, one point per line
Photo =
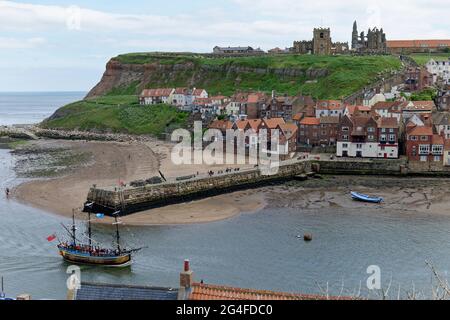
x=74 y=251
x=365 y=198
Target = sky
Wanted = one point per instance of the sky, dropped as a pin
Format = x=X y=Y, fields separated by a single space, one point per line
x=64 y=45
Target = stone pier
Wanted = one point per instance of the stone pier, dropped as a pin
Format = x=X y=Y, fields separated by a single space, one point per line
x=130 y=200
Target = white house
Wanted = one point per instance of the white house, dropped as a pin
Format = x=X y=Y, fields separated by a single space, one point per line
x=156 y=96
x=200 y=93
x=371 y=98
x=181 y=97
x=439 y=69
x=329 y=108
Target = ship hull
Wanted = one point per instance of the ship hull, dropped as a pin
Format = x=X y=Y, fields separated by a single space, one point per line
x=86 y=259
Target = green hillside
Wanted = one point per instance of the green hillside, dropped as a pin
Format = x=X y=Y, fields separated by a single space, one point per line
x=423 y=58
x=116 y=114
x=343 y=74
x=116 y=109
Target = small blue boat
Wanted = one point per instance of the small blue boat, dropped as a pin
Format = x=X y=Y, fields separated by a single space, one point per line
x=366 y=198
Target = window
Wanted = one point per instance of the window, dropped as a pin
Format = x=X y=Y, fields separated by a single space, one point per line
x=414 y=138
x=437 y=158
x=371 y=137
x=438 y=149
x=424 y=138
x=423 y=158
x=345 y=128
x=383 y=138
x=345 y=137
x=391 y=130
x=424 y=149
x=370 y=129
x=383 y=130
x=359 y=146
x=345 y=145
x=392 y=138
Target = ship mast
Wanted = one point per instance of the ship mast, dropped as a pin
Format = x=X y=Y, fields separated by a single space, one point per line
x=74 y=239
x=90 y=231
x=117 y=230
x=2 y=293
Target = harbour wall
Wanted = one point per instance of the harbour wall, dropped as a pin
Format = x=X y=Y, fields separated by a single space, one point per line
x=364 y=167
x=131 y=200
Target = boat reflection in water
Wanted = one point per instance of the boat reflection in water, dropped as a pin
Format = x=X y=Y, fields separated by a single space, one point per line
x=77 y=252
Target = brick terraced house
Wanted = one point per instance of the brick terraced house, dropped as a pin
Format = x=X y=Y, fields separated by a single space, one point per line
x=366 y=137
x=424 y=145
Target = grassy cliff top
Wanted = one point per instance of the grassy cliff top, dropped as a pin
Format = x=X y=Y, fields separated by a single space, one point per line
x=118 y=114
x=287 y=61
x=344 y=74
x=423 y=58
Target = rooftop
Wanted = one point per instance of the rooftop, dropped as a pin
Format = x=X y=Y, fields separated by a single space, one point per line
x=421 y=131
x=213 y=292
x=310 y=121
x=93 y=291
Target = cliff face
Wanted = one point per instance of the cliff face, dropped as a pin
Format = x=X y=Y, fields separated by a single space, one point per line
x=217 y=78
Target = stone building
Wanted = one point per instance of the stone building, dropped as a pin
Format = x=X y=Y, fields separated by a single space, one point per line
x=322 y=41
x=372 y=43
x=321 y=44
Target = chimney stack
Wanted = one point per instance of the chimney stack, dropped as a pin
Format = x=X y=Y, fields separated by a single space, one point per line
x=187 y=276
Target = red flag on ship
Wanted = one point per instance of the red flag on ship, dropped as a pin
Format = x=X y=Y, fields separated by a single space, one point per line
x=51 y=238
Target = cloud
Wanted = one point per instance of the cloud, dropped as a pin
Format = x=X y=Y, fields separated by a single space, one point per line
x=15 y=43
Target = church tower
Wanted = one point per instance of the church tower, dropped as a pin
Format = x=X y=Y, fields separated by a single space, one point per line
x=355 y=36
x=322 y=41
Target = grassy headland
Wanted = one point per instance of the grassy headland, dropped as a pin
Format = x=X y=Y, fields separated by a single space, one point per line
x=324 y=77
x=423 y=58
x=117 y=114
x=116 y=109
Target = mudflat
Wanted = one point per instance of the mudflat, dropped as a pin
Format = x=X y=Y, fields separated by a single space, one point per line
x=110 y=163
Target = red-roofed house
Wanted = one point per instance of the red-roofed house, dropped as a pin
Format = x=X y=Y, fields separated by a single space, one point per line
x=309 y=131
x=156 y=96
x=423 y=145
x=330 y=108
x=365 y=137
x=199 y=93
x=181 y=97
x=190 y=290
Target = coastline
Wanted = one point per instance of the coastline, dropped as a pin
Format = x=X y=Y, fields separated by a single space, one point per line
x=113 y=162
x=134 y=159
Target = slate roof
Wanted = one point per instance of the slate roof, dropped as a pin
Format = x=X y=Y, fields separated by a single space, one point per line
x=92 y=291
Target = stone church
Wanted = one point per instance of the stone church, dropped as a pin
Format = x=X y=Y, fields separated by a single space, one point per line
x=321 y=44
x=374 y=43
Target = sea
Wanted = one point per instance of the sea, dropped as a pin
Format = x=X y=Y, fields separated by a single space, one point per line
x=260 y=250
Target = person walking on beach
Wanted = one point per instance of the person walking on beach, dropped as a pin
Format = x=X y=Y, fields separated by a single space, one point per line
x=7 y=191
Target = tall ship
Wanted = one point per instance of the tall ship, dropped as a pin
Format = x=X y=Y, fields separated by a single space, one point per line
x=77 y=252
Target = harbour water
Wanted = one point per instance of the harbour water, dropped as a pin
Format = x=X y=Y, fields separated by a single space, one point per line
x=259 y=250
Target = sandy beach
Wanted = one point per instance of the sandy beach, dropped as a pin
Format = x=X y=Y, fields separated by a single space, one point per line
x=113 y=162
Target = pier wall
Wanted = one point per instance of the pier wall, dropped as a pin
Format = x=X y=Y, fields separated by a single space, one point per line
x=131 y=200
x=364 y=167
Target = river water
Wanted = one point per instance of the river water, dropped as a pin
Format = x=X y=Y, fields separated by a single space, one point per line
x=259 y=250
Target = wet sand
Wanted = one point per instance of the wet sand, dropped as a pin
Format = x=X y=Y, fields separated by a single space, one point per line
x=114 y=162
x=414 y=195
